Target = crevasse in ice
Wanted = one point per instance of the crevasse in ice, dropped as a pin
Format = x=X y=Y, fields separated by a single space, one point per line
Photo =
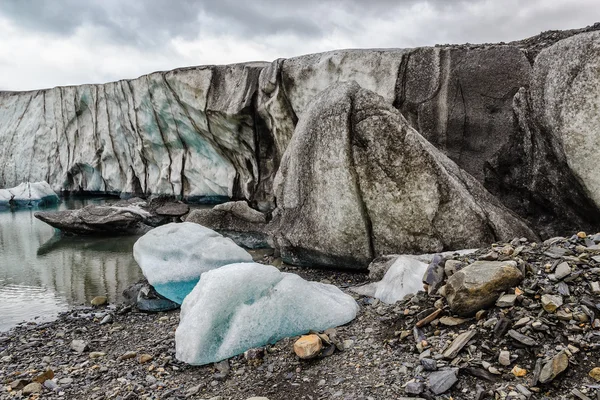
x=173 y=256
x=241 y=306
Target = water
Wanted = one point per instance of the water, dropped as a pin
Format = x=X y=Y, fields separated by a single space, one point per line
x=42 y=273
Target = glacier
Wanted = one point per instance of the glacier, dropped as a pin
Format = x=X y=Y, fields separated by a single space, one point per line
x=28 y=194
x=174 y=256
x=245 y=305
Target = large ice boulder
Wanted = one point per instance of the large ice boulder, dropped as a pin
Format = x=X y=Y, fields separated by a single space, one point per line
x=404 y=276
x=28 y=194
x=241 y=306
x=173 y=256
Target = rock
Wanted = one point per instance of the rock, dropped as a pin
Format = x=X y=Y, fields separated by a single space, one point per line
x=458 y=344
x=519 y=337
x=125 y=218
x=414 y=388
x=441 y=381
x=308 y=346
x=143 y=295
x=551 y=302
x=18 y=384
x=452 y=321
x=99 y=301
x=507 y=300
x=173 y=210
x=173 y=256
x=554 y=367
x=128 y=355
x=478 y=285
x=518 y=371
x=562 y=270
x=595 y=374
x=381 y=168
x=79 y=346
x=97 y=354
x=451 y=266
x=242 y=306
x=43 y=377
x=144 y=358
x=237 y=221
x=403 y=277
x=32 y=388
x=434 y=275
x=504 y=358
x=380 y=265
x=28 y=194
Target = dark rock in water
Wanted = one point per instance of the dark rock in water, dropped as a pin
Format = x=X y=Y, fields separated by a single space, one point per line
x=480 y=284
x=392 y=191
x=143 y=296
x=236 y=220
x=127 y=217
x=173 y=210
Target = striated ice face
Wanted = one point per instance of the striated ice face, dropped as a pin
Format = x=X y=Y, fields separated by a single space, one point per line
x=241 y=306
x=405 y=276
x=28 y=194
x=173 y=256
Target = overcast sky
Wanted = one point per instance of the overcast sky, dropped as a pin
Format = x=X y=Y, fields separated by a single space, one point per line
x=46 y=43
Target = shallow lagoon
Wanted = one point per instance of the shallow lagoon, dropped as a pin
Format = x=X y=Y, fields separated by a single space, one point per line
x=43 y=273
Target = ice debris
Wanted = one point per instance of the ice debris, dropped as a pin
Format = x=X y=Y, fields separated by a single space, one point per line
x=242 y=306
x=28 y=194
x=173 y=256
x=403 y=277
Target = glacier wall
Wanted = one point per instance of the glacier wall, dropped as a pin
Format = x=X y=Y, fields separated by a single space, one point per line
x=220 y=131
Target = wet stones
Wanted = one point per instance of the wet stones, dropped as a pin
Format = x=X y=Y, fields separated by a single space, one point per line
x=480 y=284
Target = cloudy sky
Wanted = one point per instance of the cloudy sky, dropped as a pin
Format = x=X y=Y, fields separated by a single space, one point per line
x=46 y=43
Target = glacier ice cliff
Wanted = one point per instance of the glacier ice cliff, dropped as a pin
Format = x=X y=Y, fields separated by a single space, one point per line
x=506 y=114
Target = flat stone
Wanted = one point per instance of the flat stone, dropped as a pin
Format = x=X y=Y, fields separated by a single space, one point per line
x=429 y=364
x=144 y=358
x=458 y=344
x=414 y=387
x=441 y=381
x=127 y=355
x=562 y=271
x=508 y=300
x=452 y=321
x=33 y=387
x=557 y=252
x=519 y=337
x=97 y=354
x=554 y=367
x=308 y=346
x=479 y=285
x=79 y=346
x=173 y=209
x=551 y=302
x=595 y=374
x=429 y=318
x=595 y=286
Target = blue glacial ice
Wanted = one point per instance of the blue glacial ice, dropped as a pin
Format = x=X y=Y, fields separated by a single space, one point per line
x=241 y=306
x=405 y=276
x=28 y=194
x=173 y=256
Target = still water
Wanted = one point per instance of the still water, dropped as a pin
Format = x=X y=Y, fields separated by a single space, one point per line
x=43 y=273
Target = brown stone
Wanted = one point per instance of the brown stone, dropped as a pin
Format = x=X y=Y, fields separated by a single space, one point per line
x=99 y=301
x=144 y=358
x=308 y=346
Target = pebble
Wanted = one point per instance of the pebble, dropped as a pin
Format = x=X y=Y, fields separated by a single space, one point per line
x=99 y=301
x=562 y=271
x=33 y=387
x=79 y=346
x=551 y=302
x=595 y=374
x=504 y=358
x=458 y=344
x=554 y=367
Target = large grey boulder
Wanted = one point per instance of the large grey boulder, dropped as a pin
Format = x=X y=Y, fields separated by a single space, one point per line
x=357 y=182
x=479 y=285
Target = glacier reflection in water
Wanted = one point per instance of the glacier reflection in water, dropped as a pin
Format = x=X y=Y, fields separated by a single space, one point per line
x=42 y=273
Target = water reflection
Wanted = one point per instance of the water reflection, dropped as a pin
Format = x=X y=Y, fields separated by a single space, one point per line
x=42 y=273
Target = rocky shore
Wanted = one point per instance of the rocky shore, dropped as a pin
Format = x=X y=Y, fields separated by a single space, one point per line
x=538 y=339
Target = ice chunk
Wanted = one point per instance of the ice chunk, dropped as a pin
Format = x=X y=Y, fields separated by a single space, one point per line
x=241 y=306
x=28 y=194
x=404 y=276
x=173 y=256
